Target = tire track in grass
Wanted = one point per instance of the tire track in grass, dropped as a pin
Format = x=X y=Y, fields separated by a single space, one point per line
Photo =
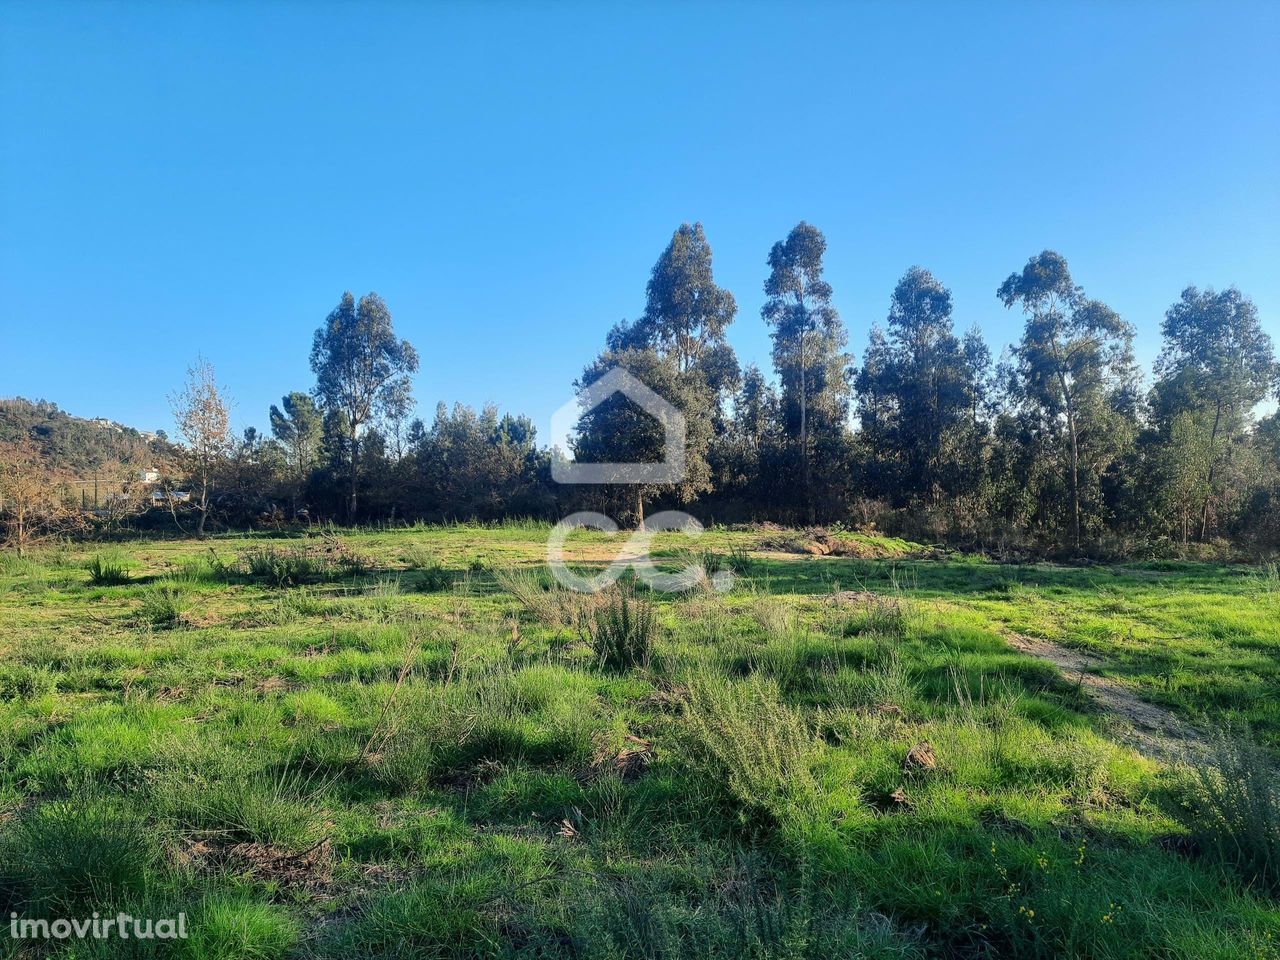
x=1152 y=730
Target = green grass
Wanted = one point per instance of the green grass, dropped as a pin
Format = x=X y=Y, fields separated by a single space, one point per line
x=413 y=743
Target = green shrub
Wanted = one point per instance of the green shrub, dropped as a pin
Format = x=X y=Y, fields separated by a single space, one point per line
x=623 y=628
x=281 y=568
x=107 y=571
x=434 y=577
x=164 y=604
x=743 y=737
x=1235 y=803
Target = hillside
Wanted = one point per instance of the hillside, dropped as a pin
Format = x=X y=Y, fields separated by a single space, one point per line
x=74 y=444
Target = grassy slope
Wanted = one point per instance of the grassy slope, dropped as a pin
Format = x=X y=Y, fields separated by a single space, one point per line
x=256 y=765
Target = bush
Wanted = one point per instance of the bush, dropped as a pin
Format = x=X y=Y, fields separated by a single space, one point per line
x=434 y=577
x=164 y=604
x=750 y=742
x=107 y=571
x=281 y=568
x=1236 y=806
x=622 y=631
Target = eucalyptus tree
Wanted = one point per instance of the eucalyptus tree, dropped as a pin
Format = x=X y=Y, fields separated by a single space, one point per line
x=919 y=391
x=362 y=372
x=1217 y=365
x=1073 y=372
x=686 y=314
x=808 y=349
x=617 y=430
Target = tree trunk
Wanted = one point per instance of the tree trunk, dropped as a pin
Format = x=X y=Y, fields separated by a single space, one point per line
x=804 y=431
x=204 y=506
x=355 y=465
x=1075 y=479
x=639 y=508
x=1213 y=463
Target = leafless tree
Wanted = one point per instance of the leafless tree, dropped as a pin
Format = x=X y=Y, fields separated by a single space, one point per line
x=201 y=413
x=32 y=504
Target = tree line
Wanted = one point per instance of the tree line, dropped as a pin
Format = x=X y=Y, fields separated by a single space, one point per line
x=1055 y=446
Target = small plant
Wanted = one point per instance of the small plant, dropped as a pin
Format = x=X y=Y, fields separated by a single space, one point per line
x=354 y=564
x=744 y=737
x=622 y=631
x=386 y=587
x=1265 y=581
x=776 y=617
x=546 y=601
x=107 y=571
x=164 y=605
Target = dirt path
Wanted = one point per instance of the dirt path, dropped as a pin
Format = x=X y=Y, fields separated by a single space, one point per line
x=1151 y=730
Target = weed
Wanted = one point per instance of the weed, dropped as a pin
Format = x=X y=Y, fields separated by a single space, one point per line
x=64 y=855
x=434 y=577
x=1236 y=802
x=746 y=739
x=281 y=568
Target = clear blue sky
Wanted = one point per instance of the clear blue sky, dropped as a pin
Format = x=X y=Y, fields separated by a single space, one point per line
x=183 y=178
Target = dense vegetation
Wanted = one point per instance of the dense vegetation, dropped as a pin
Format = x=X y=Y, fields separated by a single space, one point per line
x=409 y=743
x=1055 y=447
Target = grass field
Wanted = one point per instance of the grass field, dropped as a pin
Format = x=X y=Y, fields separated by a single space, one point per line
x=408 y=744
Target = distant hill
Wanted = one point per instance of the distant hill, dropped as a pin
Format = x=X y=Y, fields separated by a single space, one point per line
x=76 y=445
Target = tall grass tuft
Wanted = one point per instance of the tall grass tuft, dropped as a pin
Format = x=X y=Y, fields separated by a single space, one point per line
x=545 y=600
x=107 y=571
x=164 y=605
x=66 y=854
x=281 y=568
x=623 y=628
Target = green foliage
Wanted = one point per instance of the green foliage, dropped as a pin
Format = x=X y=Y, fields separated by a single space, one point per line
x=746 y=740
x=164 y=604
x=281 y=568
x=1235 y=799
x=235 y=925
x=623 y=629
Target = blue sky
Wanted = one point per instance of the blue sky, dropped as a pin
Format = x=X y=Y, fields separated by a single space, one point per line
x=183 y=178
